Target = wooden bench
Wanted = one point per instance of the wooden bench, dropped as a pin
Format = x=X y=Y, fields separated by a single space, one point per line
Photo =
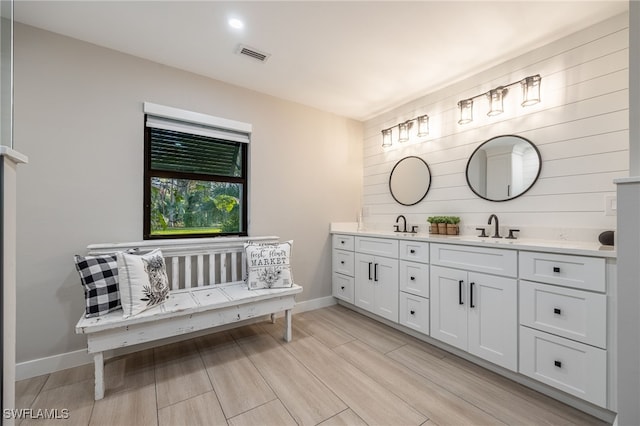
x=207 y=291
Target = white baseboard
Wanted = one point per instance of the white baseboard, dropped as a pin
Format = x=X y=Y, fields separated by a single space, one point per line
x=38 y=367
x=313 y=304
x=51 y=364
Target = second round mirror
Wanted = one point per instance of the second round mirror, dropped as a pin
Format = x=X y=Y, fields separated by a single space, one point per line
x=503 y=168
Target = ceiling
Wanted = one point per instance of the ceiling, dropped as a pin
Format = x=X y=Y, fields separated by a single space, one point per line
x=356 y=59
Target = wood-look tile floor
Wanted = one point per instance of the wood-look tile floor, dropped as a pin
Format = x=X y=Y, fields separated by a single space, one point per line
x=341 y=368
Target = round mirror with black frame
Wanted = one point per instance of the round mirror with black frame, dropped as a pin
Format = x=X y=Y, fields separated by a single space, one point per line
x=410 y=180
x=503 y=168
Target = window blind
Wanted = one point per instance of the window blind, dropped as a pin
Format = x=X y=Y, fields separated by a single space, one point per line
x=189 y=153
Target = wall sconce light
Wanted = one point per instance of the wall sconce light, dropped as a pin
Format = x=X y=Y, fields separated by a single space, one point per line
x=466 y=111
x=423 y=126
x=530 y=90
x=404 y=130
x=496 y=106
x=530 y=96
x=386 y=138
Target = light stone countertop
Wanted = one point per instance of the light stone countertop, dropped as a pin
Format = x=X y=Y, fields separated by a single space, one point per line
x=580 y=248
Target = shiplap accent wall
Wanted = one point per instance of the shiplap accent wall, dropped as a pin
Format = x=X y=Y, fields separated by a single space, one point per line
x=580 y=127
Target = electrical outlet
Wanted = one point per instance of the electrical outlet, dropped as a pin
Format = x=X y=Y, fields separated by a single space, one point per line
x=610 y=205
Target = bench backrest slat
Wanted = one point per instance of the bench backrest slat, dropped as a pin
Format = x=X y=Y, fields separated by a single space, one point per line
x=212 y=269
x=223 y=267
x=217 y=260
x=175 y=273
x=200 y=263
x=187 y=271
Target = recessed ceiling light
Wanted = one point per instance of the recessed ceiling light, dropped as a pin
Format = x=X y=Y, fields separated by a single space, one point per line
x=236 y=23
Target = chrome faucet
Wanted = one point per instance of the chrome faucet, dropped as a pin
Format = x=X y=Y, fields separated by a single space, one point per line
x=397 y=225
x=497 y=233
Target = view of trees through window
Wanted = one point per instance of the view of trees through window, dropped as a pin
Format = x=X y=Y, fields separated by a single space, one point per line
x=185 y=206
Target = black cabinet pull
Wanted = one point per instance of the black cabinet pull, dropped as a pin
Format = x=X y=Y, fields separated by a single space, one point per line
x=556 y=269
x=413 y=278
x=460 y=292
x=342 y=242
x=412 y=312
x=375 y=272
x=471 y=305
x=557 y=364
x=557 y=311
x=412 y=251
x=342 y=288
x=370 y=263
x=342 y=262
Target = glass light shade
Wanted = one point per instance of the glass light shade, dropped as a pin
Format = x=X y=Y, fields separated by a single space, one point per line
x=403 y=131
x=423 y=125
x=496 y=105
x=531 y=90
x=466 y=111
x=386 y=138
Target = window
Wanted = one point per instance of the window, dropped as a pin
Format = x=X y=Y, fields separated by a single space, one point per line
x=195 y=180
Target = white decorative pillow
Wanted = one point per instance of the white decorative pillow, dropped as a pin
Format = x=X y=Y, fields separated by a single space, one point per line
x=268 y=265
x=143 y=281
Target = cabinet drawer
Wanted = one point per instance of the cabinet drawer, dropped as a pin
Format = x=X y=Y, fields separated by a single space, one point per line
x=478 y=259
x=377 y=246
x=414 y=278
x=587 y=273
x=575 y=314
x=343 y=287
x=343 y=242
x=414 y=251
x=414 y=312
x=343 y=262
x=573 y=367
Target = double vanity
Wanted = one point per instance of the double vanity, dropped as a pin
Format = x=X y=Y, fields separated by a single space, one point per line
x=527 y=309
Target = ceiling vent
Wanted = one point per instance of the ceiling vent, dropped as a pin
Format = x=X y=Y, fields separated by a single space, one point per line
x=252 y=53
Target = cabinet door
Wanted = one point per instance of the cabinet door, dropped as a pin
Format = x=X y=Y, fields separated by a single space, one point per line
x=493 y=319
x=364 y=295
x=343 y=287
x=414 y=312
x=385 y=284
x=343 y=262
x=449 y=306
x=414 y=278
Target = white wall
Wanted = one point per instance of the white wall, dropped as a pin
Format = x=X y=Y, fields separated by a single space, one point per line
x=78 y=116
x=580 y=127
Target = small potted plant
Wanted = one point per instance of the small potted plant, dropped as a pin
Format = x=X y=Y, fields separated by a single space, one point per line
x=442 y=224
x=433 y=225
x=452 y=225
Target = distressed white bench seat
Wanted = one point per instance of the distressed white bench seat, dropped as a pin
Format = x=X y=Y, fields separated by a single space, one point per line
x=204 y=300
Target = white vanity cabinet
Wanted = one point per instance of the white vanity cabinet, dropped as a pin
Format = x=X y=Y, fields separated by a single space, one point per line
x=376 y=276
x=476 y=312
x=414 y=285
x=540 y=312
x=563 y=323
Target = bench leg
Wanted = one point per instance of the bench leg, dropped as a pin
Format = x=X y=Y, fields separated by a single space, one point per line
x=273 y=318
x=98 y=360
x=287 y=325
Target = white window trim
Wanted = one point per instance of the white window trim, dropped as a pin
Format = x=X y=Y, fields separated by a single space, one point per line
x=196 y=118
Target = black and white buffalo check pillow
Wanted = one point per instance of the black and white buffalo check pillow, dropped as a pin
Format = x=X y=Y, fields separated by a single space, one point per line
x=99 y=276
